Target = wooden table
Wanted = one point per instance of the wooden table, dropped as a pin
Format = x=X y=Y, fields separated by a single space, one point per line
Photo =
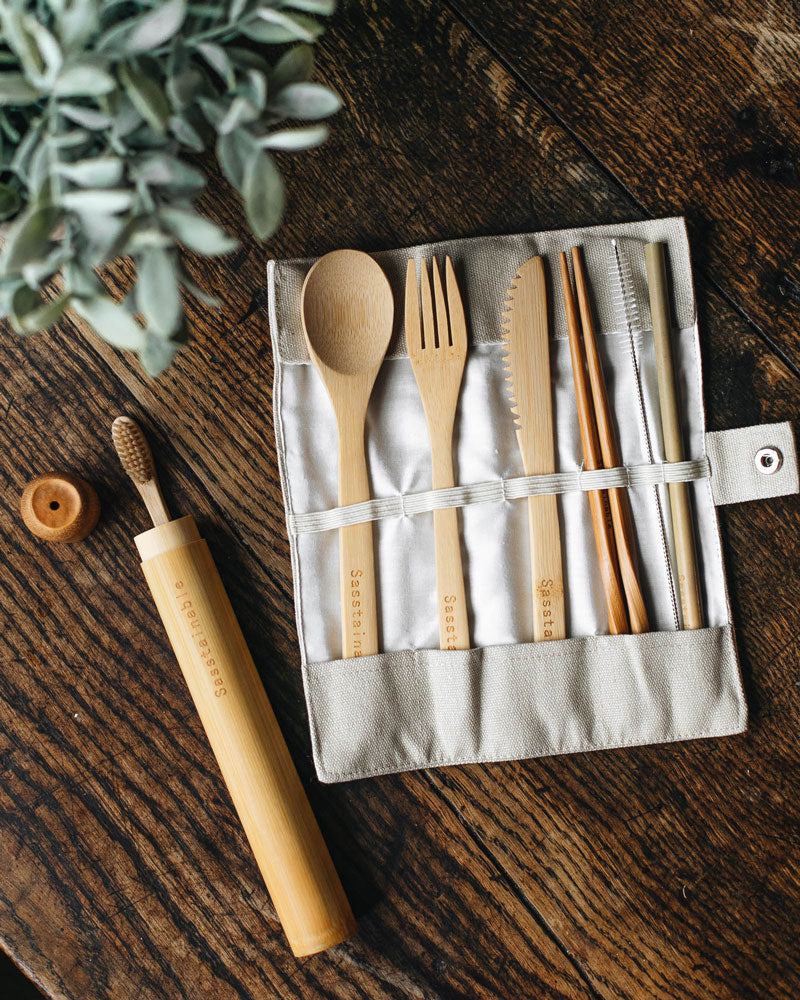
x=662 y=872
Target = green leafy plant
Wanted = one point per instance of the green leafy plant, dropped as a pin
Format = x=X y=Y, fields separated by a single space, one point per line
x=98 y=100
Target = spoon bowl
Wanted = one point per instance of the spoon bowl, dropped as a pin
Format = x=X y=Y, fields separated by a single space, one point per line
x=347 y=311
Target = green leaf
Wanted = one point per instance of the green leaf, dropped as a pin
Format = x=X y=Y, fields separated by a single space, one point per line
x=214 y=110
x=49 y=51
x=246 y=58
x=98 y=171
x=156 y=353
x=186 y=134
x=290 y=139
x=197 y=233
x=146 y=96
x=28 y=238
x=324 y=7
x=87 y=117
x=78 y=22
x=45 y=314
x=15 y=91
x=126 y=118
x=9 y=201
x=111 y=321
x=80 y=279
x=17 y=35
x=241 y=111
x=23 y=300
x=294 y=66
x=83 y=80
x=233 y=152
x=263 y=195
x=158 y=296
x=236 y=10
x=36 y=273
x=109 y=202
x=184 y=87
x=199 y=294
x=216 y=58
x=147 y=239
x=306 y=100
x=157 y=26
x=162 y=170
x=277 y=26
x=22 y=156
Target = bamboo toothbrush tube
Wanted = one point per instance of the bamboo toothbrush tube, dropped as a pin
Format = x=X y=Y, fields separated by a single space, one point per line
x=245 y=737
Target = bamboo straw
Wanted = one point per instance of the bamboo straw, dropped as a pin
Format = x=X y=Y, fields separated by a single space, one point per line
x=688 y=581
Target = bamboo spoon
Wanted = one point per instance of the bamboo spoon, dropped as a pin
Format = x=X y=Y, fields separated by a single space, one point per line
x=592 y=459
x=688 y=582
x=618 y=499
x=347 y=311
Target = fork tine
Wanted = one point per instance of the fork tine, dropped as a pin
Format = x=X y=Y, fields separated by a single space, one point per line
x=413 y=332
x=428 y=328
x=442 y=326
x=458 y=322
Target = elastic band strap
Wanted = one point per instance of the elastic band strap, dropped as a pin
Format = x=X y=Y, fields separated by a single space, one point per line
x=496 y=490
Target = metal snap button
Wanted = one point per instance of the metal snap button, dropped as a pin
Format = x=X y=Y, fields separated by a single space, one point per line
x=768 y=460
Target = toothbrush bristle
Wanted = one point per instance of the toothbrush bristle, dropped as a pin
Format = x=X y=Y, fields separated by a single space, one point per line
x=133 y=450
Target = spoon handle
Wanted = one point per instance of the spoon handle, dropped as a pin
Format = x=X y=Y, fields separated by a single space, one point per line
x=356 y=555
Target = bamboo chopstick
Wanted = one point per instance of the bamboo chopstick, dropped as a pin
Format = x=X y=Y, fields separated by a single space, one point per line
x=618 y=499
x=592 y=458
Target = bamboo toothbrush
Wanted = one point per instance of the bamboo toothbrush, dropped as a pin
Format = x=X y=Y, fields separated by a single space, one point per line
x=688 y=582
x=137 y=460
x=236 y=715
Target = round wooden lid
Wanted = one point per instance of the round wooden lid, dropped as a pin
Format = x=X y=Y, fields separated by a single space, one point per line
x=60 y=507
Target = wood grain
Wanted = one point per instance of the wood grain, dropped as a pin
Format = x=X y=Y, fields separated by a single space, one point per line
x=662 y=872
x=692 y=109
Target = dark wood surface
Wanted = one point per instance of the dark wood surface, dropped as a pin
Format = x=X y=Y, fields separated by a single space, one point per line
x=662 y=872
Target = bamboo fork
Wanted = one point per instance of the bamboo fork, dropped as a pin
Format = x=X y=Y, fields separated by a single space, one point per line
x=618 y=499
x=438 y=351
x=592 y=458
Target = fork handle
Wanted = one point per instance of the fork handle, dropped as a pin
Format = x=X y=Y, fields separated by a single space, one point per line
x=450 y=591
x=546 y=568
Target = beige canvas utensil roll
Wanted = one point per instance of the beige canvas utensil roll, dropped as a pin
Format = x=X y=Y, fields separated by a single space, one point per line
x=414 y=705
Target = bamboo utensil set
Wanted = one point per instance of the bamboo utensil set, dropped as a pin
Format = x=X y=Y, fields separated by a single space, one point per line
x=347 y=319
x=347 y=315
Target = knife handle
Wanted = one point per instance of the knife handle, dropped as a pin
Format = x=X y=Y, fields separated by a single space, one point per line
x=546 y=569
